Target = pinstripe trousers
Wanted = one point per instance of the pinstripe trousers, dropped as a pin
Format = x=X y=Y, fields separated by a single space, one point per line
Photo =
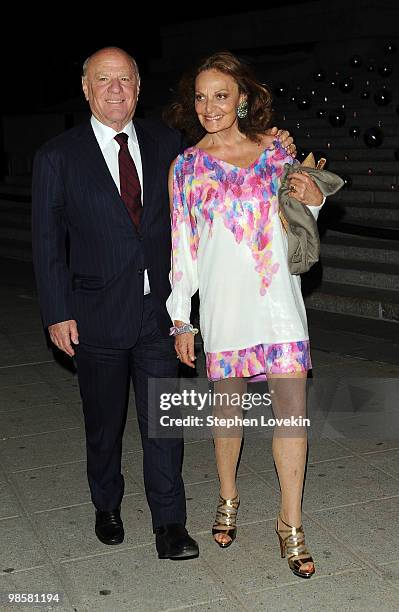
x=104 y=378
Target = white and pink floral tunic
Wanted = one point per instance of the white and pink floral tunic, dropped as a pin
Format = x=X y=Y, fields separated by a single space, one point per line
x=229 y=243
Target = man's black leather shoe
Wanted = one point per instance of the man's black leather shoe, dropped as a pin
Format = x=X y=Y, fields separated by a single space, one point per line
x=109 y=526
x=173 y=542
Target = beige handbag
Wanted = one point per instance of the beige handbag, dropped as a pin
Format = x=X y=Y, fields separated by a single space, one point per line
x=297 y=220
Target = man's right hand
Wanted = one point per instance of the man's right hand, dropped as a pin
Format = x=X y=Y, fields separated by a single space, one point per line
x=63 y=334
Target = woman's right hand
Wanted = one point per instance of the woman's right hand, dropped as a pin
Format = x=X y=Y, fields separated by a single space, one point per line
x=184 y=346
x=304 y=189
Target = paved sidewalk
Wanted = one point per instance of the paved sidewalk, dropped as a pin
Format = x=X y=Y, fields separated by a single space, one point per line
x=351 y=501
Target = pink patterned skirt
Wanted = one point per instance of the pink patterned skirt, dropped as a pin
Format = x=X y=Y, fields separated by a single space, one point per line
x=256 y=362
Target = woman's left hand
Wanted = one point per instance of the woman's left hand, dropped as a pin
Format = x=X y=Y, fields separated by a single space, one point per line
x=304 y=189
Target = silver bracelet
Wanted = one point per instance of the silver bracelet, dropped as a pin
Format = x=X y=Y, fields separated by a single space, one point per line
x=184 y=329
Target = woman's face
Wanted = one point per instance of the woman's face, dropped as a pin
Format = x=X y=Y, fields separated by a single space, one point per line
x=216 y=100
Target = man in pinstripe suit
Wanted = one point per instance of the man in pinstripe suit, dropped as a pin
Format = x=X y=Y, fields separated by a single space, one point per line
x=107 y=305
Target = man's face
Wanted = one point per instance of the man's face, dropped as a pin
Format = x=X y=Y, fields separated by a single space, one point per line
x=111 y=87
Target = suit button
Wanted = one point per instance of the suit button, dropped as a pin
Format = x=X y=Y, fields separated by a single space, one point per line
x=140 y=271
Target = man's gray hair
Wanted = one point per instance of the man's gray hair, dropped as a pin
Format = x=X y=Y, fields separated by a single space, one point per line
x=87 y=61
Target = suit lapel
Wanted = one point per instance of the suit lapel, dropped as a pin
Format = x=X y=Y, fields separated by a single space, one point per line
x=90 y=152
x=149 y=159
x=93 y=158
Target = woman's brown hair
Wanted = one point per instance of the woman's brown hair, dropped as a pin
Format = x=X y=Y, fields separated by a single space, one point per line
x=181 y=113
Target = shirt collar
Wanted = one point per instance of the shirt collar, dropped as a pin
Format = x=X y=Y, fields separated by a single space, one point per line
x=105 y=134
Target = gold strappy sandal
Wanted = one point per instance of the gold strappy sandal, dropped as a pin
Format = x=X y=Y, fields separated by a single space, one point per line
x=292 y=543
x=226 y=514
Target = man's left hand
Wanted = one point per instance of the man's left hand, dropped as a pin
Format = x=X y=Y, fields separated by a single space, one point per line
x=286 y=140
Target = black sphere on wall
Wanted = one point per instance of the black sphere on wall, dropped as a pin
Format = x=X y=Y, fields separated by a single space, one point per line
x=354 y=131
x=385 y=70
x=280 y=90
x=303 y=102
x=389 y=48
x=346 y=85
x=337 y=118
x=319 y=76
x=302 y=154
x=347 y=181
x=382 y=97
x=373 y=137
x=356 y=61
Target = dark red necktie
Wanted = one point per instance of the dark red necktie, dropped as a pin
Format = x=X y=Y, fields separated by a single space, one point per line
x=129 y=180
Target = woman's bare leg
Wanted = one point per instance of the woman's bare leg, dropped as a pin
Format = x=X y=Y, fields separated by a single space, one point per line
x=227 y=441
x=288 y=394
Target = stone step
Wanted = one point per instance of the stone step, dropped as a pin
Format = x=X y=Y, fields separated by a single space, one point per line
x=390 y=224
x=359 y=75
x=15 y=202
x=387 y=196
x=373 y=168
x=349 y=324
x=353 y=300
x=15 y=186
x=15 y=213
x=316 y=123
x=376 y=183
x=335 y=98
x=20 y=235
x=14 y=218
x=366 y=155
x=298 y=122
x=386 y=230
x=380 y=216
x=363 y=108
x=15 y=222
x=339 y=139
x=373 y=182
x=344 y=246
x=324 y=130
x=10 y=205
x=359 y=81
x=353 y=106
x=13 y=249
x=361 y=273
x=363 y=209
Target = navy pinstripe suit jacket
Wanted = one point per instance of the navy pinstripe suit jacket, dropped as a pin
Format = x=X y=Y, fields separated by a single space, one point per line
x=76 y=202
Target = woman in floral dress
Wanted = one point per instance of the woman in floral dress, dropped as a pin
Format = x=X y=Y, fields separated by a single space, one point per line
x=229 y=243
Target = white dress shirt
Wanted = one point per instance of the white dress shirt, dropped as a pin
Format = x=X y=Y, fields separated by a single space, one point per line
x=110 y=149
